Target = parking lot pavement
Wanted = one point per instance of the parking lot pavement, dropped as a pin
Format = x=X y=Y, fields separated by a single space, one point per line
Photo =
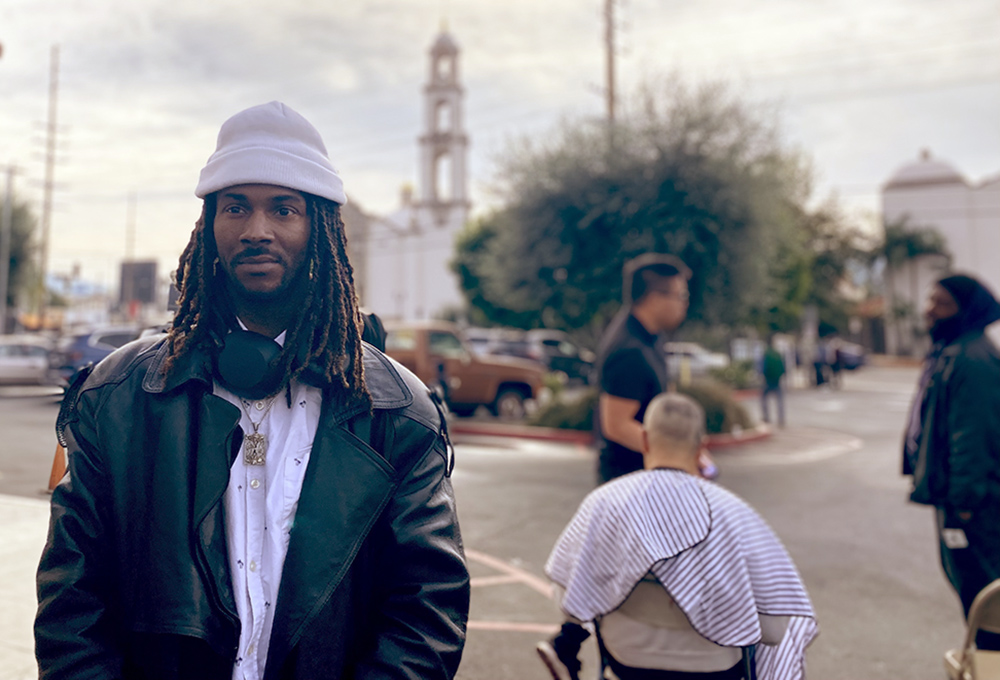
x=22 y=535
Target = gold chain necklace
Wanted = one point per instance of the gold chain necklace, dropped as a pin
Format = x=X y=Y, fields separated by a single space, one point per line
x=255 y=444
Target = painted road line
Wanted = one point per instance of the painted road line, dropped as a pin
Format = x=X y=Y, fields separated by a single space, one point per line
x=545 y=629
x=537 y=584
x=509 y=574
x=485 y=581
x=814 y=453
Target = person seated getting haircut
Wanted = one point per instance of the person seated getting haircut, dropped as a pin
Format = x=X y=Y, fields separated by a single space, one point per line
x=680 y=577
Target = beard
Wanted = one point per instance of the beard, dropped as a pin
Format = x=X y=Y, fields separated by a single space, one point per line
x=290 y=285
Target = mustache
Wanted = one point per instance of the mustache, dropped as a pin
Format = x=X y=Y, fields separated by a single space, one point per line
x=255 y=251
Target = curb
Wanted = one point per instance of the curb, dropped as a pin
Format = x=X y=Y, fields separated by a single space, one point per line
x=490 y=429
x=552 y=434
x=754 y=434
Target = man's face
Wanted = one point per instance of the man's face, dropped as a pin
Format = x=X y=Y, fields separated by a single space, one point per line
x=669 y=300
x=262 y=234
x=940 y=306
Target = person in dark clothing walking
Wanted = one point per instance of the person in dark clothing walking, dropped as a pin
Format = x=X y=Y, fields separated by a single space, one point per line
x=631 y=362
x=952 y=444
x=772 y=368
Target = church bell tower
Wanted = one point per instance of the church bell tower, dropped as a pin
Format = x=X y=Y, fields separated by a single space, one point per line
x=444 y=144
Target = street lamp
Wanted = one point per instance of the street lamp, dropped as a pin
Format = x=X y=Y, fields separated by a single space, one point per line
x=6 y=223
x=5 y=226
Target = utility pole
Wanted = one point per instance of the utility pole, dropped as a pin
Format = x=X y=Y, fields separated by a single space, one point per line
x=50 y=163
x=609 y=46
x=128 y=274
x=6 y=225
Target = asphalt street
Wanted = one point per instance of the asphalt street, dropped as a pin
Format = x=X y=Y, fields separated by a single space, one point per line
x=829 y=484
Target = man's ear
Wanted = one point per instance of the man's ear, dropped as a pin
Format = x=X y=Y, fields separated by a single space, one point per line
x=645 y=442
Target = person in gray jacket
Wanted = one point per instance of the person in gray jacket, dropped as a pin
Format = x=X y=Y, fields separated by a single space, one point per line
x=258 y=495
x=952 y=443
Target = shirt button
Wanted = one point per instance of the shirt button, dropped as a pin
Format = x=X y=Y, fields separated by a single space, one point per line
x=259 y=406
x=253 y=566
x=250 y=649
x=254 y=483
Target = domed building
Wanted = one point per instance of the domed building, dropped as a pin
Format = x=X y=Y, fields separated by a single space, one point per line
x=931 y=193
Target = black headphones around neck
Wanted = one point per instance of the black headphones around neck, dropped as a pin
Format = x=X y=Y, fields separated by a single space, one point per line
x=247 y=364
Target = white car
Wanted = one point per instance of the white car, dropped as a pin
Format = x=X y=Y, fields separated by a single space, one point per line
x=699 y=359
x=24 y=360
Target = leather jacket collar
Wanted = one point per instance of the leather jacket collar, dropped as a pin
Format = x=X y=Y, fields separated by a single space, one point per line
x=388 y=390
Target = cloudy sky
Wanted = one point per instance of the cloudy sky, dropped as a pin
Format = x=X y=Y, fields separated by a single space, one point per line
x=861 y=86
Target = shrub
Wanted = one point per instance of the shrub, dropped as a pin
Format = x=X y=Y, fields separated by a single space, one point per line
x=722 y=412
x=574 y=414
x=739 y=375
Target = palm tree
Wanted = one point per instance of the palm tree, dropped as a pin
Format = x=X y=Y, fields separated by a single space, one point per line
x=902 y=246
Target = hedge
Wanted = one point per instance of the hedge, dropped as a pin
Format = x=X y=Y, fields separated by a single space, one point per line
x=723 y=413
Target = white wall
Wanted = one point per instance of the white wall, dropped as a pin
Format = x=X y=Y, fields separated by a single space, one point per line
x=409 y=276
x=968 y=217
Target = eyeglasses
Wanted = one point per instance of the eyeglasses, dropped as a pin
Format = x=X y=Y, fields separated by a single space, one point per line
x=683 y=295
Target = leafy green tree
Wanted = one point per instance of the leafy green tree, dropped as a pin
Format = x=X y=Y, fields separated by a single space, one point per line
x=22 y=252
x=692 y=172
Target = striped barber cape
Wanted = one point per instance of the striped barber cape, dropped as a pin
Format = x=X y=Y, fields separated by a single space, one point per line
x=715 y=556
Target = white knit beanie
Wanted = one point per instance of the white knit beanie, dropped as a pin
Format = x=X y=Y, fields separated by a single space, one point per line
x=271 y=144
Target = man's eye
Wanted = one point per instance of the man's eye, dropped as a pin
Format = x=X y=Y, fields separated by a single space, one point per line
x=232 y=209
x=285 y=211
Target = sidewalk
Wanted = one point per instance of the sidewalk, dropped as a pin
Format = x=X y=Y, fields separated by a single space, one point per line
x=22 y=536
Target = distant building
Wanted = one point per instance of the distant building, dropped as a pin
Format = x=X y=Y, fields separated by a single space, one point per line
x=406 y=270
x=932 y=193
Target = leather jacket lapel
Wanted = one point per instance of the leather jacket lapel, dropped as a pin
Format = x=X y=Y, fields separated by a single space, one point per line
x=217 y=428
x=346 y=487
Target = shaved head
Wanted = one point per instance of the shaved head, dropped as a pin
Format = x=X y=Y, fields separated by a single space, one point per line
x=674 y=421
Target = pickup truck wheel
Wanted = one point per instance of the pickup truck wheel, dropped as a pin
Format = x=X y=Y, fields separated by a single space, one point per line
x=509 y=404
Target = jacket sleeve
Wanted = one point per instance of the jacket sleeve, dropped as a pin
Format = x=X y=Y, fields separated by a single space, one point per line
x=973 y=433
x=421 y=628
x=73 y=628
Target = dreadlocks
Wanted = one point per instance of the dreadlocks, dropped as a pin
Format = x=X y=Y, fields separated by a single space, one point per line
x=325 y=331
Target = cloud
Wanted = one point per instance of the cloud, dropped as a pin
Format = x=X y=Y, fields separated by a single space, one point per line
x=145 y=85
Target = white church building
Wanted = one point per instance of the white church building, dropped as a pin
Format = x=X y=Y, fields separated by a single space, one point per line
x=407 y=253
x=932 y=193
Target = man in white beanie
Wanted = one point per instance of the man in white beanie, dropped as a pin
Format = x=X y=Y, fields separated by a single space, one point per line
x=258 y=494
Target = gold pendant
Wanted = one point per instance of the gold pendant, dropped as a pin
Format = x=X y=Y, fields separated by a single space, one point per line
x=254 y=449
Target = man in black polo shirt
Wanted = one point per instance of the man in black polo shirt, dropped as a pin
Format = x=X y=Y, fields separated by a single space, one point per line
x=632 y=366
x=631 y=370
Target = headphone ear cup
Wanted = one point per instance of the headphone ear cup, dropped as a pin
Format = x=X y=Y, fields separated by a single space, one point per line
x=247 y=364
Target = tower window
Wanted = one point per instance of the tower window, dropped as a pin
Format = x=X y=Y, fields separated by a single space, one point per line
x=443 y=173
x=446 y=69
x=442 y=117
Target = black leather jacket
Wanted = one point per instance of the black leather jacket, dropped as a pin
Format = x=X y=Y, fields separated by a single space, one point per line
x=957 y=464
x=134 y=581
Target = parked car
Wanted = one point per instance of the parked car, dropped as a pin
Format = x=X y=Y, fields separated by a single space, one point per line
x=24 y=360
x=75 y=351
x=552 y=349
x=560 y=354
x=436 y=353
x=496 y=341
x=699 y=359
x=850 y=355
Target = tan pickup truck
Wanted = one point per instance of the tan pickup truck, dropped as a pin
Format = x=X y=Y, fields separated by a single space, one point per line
x=436 y=353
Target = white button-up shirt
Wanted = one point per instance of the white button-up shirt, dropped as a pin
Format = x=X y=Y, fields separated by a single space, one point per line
x=260 y=504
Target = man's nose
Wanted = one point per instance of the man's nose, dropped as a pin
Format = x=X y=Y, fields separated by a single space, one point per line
x=257 y=227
